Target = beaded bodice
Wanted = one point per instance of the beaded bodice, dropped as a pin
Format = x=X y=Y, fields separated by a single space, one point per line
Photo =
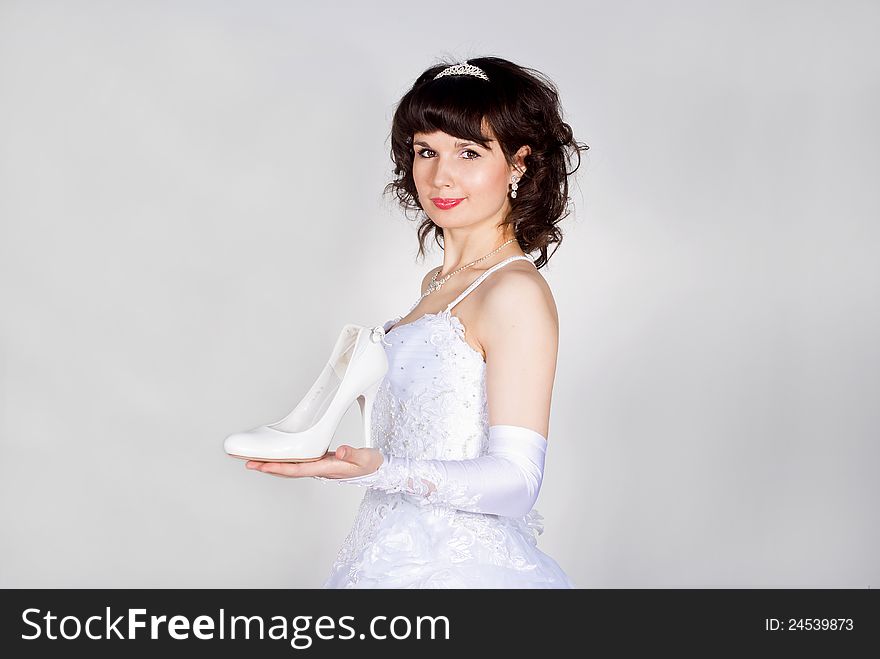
x=432 y=402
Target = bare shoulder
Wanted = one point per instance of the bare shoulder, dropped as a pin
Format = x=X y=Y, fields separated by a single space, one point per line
x=518 y=295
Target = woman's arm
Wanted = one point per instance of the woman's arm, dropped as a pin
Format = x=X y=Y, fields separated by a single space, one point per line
x=519 y=330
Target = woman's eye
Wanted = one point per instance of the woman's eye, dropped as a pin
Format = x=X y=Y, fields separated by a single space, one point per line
x=423 y=151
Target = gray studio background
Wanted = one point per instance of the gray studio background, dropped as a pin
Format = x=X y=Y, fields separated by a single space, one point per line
x=191 y=208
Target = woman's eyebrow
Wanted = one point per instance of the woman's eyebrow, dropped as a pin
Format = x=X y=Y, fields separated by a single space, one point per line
x=458 y=143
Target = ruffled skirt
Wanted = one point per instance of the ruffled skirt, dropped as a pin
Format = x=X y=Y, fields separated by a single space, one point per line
x=398 y=541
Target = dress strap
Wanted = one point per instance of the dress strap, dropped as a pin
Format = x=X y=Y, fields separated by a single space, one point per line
x=479 y=280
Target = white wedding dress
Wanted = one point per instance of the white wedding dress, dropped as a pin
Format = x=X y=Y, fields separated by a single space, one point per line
x=432 y=404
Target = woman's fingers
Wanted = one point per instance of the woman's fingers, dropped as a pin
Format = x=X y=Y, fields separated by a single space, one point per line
x=328 y=466
x=348 y=453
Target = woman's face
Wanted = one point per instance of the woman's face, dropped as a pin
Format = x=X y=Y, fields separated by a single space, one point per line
x=446 y=167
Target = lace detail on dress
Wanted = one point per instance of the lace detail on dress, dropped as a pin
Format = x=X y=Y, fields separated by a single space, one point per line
x=432 y=403
x=421 y=479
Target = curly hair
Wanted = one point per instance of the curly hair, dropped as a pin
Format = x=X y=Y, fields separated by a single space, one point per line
x=521 y=105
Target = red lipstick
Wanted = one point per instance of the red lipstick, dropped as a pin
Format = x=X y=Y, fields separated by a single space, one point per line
x=445 y=204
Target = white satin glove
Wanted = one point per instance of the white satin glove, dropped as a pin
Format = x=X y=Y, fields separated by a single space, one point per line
x=505 y=481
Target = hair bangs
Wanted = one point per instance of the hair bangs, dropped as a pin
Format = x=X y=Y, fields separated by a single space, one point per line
x=454 y=105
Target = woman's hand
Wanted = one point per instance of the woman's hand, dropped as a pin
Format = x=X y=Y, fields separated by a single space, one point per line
x=345 y=462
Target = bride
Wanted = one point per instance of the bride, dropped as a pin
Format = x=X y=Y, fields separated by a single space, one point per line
x=461 y=419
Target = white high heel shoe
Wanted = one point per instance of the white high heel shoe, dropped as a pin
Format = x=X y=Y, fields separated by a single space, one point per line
x=354 y=371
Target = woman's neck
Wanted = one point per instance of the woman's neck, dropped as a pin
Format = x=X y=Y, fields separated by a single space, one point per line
x=456 y=258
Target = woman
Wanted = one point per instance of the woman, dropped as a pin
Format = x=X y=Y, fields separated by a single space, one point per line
x=461 y=418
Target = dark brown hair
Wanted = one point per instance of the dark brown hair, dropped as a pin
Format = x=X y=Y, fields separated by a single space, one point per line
x=522 y=107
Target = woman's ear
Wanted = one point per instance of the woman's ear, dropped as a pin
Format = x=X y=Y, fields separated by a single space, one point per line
x=519 y=159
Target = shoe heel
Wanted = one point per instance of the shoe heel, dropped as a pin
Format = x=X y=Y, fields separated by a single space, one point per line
x=366 y=401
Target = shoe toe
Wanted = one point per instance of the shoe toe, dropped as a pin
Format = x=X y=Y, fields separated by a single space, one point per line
x=238 y=443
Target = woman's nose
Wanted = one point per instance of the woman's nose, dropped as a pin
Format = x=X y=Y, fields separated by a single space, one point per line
x=443 y=174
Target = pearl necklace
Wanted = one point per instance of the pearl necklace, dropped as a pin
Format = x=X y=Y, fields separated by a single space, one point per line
x=435 y=285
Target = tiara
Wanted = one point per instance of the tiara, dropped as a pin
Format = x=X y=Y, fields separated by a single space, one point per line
x=463 y=69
